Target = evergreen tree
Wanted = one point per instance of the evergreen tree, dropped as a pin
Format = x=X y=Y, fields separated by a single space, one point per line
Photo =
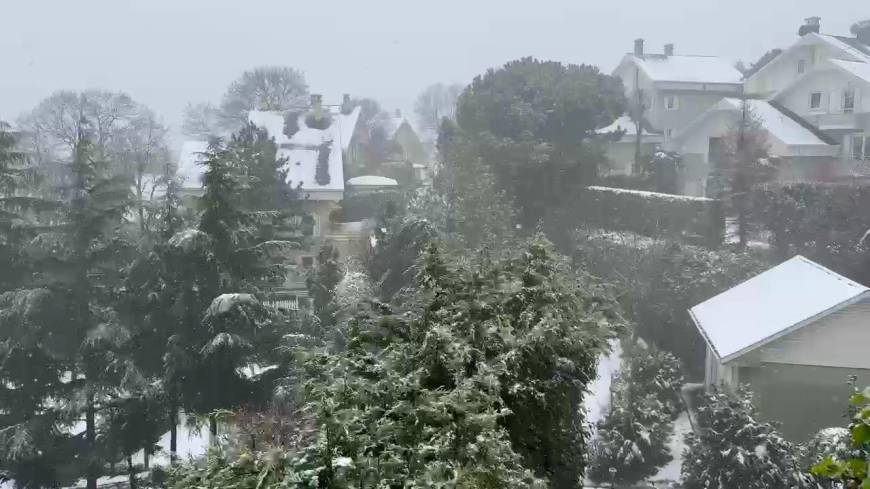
x=532 y=122
x=321 y=286
x=733 y=449
x=633 y=437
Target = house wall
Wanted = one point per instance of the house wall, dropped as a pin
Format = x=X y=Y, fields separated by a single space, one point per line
x=620 y=155
x=837 y=340
x=408 y=140
x=832 y=83
x=803 y=399
x=690 y=106
x=800 y=380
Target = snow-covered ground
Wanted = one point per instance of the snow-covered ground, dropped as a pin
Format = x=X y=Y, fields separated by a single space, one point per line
x=671 y=471
x=598 y=400
x=596 y=403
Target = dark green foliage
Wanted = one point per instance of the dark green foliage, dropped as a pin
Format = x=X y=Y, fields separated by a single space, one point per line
x=696 y=220
x=633 y=437
x=660 y=280
x=369 y=205
x=823 y=222
x=532 y=122
x=291 y=123
x=851 y=469
x=318 y=120
x=464 y=201
x=321 y=286
x=425 y=390
x=733 y=449
x=392 y=263
x=666 y=167
x=321 y=174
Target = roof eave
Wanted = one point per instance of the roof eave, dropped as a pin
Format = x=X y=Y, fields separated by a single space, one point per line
x=790 y=329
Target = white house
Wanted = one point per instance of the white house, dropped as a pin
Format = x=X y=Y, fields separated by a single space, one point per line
x=670 y=90
x=793 y=334
x=801 y=151
x=821 y=82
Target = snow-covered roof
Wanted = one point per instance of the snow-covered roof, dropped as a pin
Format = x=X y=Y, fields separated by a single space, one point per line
x=771 y=305
x=302 y=150
x=849 y=45
x=687 y=69
x=625 y=123
x=189 y=167
x=778 y=124
x=857 y=69
x=372 y=181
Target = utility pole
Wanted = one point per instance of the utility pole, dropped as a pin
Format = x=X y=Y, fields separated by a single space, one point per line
x=638 y=122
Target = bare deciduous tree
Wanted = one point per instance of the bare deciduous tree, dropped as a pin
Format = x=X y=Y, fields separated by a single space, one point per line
x=435 y=103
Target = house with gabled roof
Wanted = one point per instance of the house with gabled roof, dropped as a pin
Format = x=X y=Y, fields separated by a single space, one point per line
x=793 y=334
x=667 y=91
x=822 y=84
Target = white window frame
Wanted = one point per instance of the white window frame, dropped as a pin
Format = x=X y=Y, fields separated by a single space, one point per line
x=810 y=101
x=865 y=147
x=675 y=102
x=801 y=66
x=846 y=92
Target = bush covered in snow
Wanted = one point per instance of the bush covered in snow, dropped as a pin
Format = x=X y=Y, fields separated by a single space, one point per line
x=633 y=437
x=660 y=280
x=849 y=465
x=733 y=449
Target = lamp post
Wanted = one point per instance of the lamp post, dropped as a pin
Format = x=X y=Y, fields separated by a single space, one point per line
x=612 y=471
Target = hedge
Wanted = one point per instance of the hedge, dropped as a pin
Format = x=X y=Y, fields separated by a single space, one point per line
x=695 y=220
x=827 y=222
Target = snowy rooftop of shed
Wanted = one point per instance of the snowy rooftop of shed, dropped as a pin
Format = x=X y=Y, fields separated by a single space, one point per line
x=771 y=305
x=372 y=181
x=688 y=69
x=625 y=123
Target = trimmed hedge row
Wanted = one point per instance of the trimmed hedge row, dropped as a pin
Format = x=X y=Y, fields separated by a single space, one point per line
x=695 y=220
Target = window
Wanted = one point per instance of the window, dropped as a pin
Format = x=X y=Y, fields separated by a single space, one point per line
x=816 y=100
x=672 y=102
x=860 y=147
x=849 y=100
x=308 y=261
x=801 y=67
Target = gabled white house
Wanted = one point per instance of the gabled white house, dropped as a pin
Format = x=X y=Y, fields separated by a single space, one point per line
x=802 y=152
x=674 y=89
x=793 y=334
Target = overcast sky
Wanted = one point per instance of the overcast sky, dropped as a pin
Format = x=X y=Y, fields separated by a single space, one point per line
x=166 y=53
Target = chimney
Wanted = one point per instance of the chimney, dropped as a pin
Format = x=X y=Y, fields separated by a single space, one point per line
x=398 y=113
x=317 y=105
x=638 y=47
x=811 y=24
x=669 y=49
x=345 y=99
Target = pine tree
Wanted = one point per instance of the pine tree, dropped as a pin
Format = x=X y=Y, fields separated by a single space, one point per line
x=733 y=449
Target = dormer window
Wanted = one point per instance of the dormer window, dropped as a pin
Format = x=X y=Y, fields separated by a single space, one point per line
x=801 y=66
x=849 y=100
x=816 y=101
x=672 y=102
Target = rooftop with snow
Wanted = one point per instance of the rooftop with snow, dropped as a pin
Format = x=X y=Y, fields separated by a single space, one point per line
x=772 y=304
